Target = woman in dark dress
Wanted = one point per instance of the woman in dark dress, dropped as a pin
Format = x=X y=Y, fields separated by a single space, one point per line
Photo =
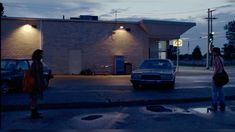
x=37 y=74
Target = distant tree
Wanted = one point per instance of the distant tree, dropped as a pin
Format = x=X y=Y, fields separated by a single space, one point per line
x=1 y=9
x=196 y=54
x=229 y=51
x=230 y=33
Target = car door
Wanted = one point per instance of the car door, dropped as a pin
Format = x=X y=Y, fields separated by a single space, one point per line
x=21 y=67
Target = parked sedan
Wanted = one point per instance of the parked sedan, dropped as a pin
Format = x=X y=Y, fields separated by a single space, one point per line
x=154 y=72
x=12 y=73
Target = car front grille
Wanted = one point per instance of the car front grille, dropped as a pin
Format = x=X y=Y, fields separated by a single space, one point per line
x=151 y=77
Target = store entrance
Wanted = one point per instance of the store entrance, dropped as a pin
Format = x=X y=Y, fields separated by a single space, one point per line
x=158 y=49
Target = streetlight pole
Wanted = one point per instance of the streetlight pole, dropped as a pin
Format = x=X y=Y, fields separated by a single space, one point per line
x=207 y=55
x=210 y=18
x=177 y=64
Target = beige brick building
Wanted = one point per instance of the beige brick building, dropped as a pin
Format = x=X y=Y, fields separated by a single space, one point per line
x=102 y=46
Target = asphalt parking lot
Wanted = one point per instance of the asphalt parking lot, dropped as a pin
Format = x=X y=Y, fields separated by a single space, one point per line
x=68 y=91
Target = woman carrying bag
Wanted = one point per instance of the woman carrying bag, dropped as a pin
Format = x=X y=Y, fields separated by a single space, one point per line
x=37 y=91
x=217 y=90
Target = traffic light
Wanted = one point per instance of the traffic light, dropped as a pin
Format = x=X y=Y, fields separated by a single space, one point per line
x=210 y=37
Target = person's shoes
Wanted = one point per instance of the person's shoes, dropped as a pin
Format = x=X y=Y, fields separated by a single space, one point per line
x=36 y=115
x=213 y=108
x=222 y=107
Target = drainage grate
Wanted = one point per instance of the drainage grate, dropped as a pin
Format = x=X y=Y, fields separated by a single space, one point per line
x=91 y=117
x=158 y=108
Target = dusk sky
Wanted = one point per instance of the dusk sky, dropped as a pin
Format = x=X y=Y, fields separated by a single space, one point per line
x=135 y=10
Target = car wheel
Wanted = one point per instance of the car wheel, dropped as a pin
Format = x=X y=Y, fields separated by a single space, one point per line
x=4 y=88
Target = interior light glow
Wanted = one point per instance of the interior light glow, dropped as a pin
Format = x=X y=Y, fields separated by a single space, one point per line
x=121 y=27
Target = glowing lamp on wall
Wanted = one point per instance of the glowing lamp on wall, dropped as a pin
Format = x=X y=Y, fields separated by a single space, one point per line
x=121 y=27
x=127 y=29
x=28 y=27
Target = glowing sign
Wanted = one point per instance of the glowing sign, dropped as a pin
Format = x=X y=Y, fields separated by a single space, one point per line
x=177 y=42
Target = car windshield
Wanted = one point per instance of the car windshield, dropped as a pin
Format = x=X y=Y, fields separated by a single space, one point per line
x=155 y=64
x=8 y=65
x=3 y=64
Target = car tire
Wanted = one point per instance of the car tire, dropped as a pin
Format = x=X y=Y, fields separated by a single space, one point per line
x=135 y=86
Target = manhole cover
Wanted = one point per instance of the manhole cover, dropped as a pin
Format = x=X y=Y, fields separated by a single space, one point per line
x=91 y=117
x=158 y=108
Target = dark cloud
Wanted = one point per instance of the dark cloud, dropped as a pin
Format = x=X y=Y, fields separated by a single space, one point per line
x=119 y=10
x=52 y=9
x=232 y=1
x=224 y=6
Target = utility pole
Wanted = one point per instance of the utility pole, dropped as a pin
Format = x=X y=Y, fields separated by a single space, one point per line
x=211 y=18
x=207 y=55
x=210 y=31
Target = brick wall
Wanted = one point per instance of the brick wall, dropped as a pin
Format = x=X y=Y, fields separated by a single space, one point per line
x=98 y=42
x=18 y=42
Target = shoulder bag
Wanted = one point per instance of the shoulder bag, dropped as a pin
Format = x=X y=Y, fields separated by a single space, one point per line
x=28 y=81
x=220 y=79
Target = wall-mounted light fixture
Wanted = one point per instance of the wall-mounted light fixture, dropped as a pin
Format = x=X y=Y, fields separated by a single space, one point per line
x=121 y=27
x=127 y=29
x=34 y=26
x=28 y=27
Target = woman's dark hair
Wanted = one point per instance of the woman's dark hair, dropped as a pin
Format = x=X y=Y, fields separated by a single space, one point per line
x=37 y=55
x=217 y=50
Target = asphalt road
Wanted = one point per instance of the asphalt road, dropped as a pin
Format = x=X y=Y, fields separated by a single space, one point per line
x=67 y=91
x=185 y=78
x=77 y=90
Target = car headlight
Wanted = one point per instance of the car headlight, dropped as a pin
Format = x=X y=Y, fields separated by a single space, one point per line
x=135 y=76
x=166 y=76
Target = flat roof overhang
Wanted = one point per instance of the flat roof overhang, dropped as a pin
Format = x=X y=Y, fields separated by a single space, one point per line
x=165 y=30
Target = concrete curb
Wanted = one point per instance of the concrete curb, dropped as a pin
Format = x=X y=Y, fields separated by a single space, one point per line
x=8 y=108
